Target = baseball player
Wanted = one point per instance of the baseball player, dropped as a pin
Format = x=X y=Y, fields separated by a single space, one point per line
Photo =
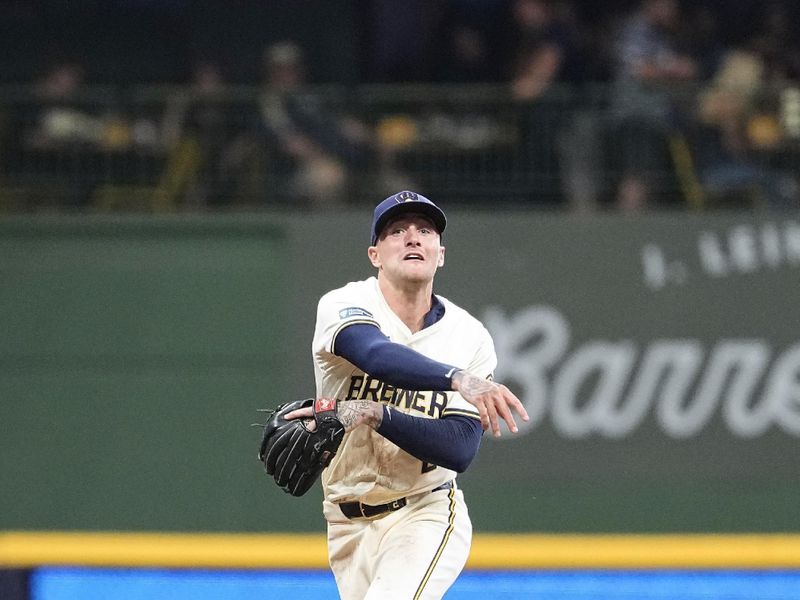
x=412 y=372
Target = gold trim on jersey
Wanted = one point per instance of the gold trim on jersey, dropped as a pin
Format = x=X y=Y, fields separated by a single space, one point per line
x=449 y=412
x=450 y=526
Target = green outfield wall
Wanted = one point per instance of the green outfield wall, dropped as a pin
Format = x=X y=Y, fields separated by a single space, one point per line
x=659 y=356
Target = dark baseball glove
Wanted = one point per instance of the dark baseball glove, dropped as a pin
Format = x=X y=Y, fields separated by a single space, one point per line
x=292 y=453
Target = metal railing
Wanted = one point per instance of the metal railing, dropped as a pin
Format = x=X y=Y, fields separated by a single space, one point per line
x=172 y=148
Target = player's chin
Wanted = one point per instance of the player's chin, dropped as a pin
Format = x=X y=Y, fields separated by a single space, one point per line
x=418 y=270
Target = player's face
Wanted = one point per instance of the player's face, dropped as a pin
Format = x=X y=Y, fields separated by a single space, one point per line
x=408 y=249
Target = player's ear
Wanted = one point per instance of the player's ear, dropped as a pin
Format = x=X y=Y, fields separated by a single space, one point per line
x=440 y=263
x=372 y=253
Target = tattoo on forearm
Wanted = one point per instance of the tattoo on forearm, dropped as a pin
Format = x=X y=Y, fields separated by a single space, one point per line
x=355 y=412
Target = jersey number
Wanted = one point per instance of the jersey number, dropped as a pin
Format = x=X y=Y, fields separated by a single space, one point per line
x=427 y=467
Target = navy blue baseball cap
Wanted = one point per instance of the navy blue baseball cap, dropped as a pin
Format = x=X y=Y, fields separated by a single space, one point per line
x=405 y=202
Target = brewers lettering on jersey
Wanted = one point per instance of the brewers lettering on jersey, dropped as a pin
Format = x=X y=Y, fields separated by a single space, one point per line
x=412 y=374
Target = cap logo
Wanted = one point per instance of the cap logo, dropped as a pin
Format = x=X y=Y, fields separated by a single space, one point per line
x=406 y=197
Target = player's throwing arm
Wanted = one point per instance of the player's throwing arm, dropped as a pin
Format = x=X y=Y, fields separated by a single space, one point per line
x=491 y=399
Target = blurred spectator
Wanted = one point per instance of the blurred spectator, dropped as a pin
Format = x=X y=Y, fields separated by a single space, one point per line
x=544 y=48
x=313 y=153
x=72 y=115
x=648 y=67
x=543 y=55
x=62 y=117
x=207 y=130
x=737 y=134
x=60 y=132
x=194 y=106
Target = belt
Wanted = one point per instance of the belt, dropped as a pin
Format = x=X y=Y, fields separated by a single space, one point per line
x=357 y=510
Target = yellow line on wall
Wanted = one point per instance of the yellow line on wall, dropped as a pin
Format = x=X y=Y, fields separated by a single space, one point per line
x=636 y=551
x=489 y=551
x=25 y=549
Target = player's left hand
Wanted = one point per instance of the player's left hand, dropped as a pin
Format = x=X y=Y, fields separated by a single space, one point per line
x=302 y=413
x=491 y=399
x=294 y=453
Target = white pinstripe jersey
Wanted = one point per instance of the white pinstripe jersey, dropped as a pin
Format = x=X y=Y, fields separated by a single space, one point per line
x=368 y=467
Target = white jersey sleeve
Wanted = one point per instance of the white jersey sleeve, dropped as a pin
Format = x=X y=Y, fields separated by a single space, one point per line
x=338 y=309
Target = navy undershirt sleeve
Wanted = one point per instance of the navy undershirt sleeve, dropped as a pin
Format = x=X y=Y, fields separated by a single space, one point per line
x=370 y=350
x=450 y=442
